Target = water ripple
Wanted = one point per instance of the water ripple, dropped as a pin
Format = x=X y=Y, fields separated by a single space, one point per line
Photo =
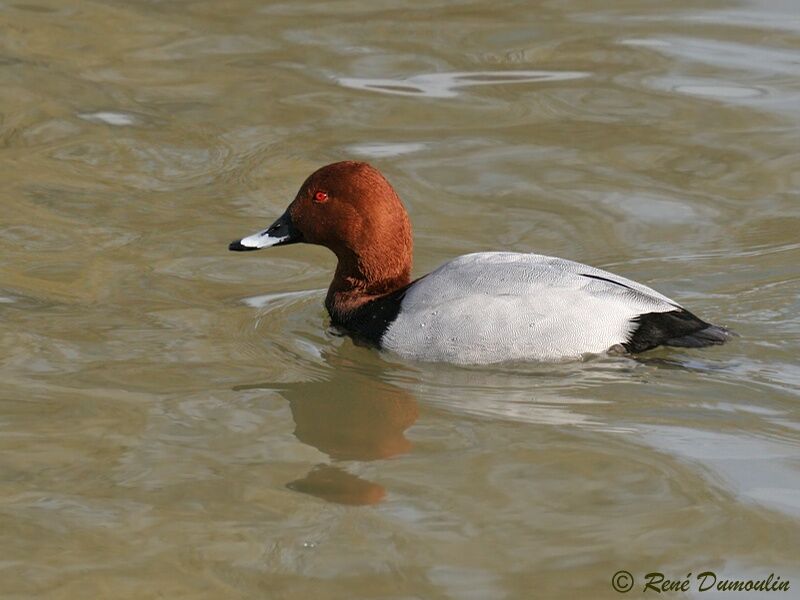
x=446 y=85
x=109 y=118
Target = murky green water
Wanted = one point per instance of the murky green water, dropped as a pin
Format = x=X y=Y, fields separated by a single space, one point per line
x=177 y=422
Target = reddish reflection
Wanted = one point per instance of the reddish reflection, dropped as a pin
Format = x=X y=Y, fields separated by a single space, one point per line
x=337 y=485
x=349 y=418
x=361 y=422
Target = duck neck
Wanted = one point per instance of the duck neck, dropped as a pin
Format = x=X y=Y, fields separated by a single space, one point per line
x=359 y=280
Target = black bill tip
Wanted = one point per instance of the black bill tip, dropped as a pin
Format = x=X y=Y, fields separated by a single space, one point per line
x=237 y=246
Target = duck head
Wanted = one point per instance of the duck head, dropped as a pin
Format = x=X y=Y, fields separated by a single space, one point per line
x=350 y=208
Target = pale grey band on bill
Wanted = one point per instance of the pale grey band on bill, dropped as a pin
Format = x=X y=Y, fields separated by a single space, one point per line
x=262 y=239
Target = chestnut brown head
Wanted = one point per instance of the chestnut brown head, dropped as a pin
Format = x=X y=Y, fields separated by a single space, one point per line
x=352 y=209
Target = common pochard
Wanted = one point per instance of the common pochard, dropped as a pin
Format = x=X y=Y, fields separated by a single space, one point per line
x=478 y=308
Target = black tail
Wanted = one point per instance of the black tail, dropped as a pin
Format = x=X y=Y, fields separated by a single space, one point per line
x=712 y=335
x=675 y=328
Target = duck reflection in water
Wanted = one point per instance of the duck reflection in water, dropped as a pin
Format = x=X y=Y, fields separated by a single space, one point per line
x=349 y=419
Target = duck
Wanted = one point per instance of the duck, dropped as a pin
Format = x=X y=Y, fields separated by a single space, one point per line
x=479 y=308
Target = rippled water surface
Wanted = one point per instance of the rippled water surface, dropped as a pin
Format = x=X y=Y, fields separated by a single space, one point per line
x=177 y=421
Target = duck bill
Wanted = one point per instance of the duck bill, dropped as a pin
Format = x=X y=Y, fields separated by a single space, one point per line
x=280 y=233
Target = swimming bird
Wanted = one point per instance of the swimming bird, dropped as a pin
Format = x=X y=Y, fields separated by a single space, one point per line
x=479 y=308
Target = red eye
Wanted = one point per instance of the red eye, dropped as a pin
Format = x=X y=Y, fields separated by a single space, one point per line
x=321 y=197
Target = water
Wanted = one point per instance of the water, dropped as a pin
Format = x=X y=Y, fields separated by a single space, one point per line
x=177 y=421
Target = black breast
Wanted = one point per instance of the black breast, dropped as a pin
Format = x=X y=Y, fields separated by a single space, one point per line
x=369 y=322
